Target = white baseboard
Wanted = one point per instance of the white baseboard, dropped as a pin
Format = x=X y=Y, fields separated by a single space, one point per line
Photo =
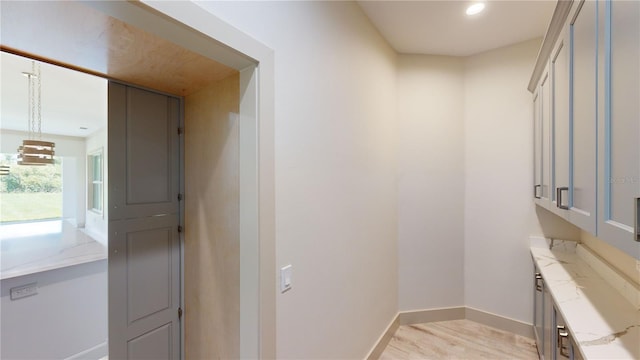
x=446 y=314
x=499 y=322
x=469 y=313
x=94 y=353
x=384 y=339
x=431 y=315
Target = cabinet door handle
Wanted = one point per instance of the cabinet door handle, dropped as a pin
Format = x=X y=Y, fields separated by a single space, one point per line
x=559 y=191
x=563 y=337
x=637 y=217
x=538 y=285
x=535 y=191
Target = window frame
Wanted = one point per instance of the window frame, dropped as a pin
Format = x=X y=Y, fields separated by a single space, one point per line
x=93 y=183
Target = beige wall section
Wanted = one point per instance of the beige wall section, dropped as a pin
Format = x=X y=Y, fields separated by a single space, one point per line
x=335 y=172
x=498 y=143
x=619 y=260
x=212 y=249
x=430 y=182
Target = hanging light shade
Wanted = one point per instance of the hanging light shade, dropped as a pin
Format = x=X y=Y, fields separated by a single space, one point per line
x=34 y=151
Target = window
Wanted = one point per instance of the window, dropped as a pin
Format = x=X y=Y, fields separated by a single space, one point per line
x=29 y=193
x=95 y=187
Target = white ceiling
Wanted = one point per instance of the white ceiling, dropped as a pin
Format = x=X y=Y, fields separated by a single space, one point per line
x=443 y=28
x=70 y=99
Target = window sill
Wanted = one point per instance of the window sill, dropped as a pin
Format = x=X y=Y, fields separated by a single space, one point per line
x=96 y=212
x=42 y=252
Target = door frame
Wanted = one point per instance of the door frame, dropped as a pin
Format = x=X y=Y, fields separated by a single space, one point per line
x=185 y=23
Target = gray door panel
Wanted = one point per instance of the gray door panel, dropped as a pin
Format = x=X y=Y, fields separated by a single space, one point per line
x=144 y=243
x=145 y=142
x=153 y=345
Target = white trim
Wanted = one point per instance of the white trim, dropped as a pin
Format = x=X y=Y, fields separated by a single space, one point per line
x=248 y=215
x=446 y=314
x=196 y=29
x=384 y=339
x=99 y=152
x=553 y=32
x=431 y=315
x=499 y=322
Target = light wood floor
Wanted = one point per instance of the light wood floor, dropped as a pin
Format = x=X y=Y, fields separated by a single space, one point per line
x=457 y=339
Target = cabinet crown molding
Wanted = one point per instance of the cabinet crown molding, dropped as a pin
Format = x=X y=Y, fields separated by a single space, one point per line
x=553 y=31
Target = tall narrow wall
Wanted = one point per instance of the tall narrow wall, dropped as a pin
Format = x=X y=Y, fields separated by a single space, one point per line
x=430 y=182
x=499 y=213
x=212 y=240
x=335 y=172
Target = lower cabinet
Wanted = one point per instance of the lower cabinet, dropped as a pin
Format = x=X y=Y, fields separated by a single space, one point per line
x=553 y=339
x=575 y=353
x=542 y=323
x=538 y=311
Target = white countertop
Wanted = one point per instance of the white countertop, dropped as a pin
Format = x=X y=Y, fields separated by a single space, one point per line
x=46 y=246
x=602 y=322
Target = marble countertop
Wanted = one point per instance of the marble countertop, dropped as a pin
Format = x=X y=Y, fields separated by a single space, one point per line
x=49 y=245
x=602 y=322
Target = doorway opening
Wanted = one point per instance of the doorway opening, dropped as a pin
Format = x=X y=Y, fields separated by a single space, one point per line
x=163 y=25
x=52 y=245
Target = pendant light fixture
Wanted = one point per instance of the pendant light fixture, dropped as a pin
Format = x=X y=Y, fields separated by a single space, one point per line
x=34 y=151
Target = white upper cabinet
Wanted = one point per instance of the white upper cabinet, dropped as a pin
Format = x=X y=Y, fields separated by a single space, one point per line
x=545 y=130
x=537 y=147
x=586 y=87
x=542 y=130
x=560 y=125
x=583 y=102
x=619 y=126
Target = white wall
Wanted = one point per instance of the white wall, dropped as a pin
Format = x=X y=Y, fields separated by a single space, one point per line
x=499 y=214
x=67 y=317
x=65 y=145
x=335 y=154
x=465 y=180
x=96 y=224
x=430 y=182
x=70 y=183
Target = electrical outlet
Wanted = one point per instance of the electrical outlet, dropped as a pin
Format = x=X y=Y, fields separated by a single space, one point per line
x=24 y=291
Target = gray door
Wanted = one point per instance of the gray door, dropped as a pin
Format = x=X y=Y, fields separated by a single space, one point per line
x=144 y=250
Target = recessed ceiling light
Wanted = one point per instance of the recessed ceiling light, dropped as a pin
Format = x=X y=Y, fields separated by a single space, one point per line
x=475 y=9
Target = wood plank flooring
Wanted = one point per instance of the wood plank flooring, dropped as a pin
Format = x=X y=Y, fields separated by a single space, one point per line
x=457 y=339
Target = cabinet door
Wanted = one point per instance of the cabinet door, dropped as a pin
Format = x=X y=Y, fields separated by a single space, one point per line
x=547 y=322
x=619 y=127
x=144 y=244
x=537 y=148
x=561 y=341
x=583 y=121
x=538 y=309
x=560 y=126
x=545 y=119
x=575 y=351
